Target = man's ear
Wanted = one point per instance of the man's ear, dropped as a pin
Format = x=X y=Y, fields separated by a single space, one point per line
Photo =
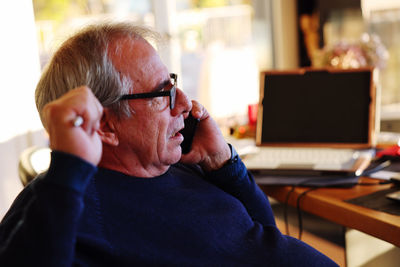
x=107 y=128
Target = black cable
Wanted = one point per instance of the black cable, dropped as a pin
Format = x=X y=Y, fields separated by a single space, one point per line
x=285 y=209
x=286 y=203
x=304 y=183
x=299 y=214
x=383 y=163
x=379 y=183
x=299 y=210
x=301 y=196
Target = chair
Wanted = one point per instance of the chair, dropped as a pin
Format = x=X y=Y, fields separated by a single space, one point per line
x=33 y=161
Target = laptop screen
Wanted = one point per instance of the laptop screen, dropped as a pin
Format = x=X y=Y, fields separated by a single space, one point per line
x=317 y=106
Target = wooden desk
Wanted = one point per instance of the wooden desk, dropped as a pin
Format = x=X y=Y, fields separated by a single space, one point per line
x=329 y=204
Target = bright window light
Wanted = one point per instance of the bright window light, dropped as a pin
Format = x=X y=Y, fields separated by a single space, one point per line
x=19 y=69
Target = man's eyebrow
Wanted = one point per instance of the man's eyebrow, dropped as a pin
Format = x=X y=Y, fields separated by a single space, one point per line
x=162 y=85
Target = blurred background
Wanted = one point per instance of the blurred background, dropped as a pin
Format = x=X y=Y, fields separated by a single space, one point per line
x=217 y=48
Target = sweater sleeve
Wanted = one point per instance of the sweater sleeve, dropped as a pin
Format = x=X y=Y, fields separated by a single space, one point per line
x=41 y=225
x=236 y=180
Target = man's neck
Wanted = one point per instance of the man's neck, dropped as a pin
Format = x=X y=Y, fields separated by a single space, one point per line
x=131 y=165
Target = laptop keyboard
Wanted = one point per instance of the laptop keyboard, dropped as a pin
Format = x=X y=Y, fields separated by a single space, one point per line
x=326 y=158
x=306 y=155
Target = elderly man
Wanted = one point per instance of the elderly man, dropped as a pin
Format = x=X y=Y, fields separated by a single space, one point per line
x=118 y=191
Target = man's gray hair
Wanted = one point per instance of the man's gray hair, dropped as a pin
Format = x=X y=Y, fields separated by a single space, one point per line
x=84 y=59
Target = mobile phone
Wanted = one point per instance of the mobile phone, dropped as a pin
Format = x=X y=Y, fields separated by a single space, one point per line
x=188 y=133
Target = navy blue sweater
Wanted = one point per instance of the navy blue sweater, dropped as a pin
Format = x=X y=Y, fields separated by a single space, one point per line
x=77 y=214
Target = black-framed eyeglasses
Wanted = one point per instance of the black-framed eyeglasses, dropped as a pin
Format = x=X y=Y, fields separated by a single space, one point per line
x=171 y=93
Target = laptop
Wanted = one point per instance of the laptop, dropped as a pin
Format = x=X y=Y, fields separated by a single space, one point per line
x=314 y=122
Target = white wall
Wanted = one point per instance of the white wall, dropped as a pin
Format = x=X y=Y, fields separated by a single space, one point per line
x=19 y=73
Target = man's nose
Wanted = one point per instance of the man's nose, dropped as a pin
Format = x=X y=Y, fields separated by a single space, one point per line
x=182 y=103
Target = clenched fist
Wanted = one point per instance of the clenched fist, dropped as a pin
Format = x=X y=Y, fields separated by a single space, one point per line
x=66 y=135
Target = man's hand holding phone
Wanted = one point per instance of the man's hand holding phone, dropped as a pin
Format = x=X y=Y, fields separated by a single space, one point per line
x=209 y=148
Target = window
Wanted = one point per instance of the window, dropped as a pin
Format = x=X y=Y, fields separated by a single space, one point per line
x=217 y=48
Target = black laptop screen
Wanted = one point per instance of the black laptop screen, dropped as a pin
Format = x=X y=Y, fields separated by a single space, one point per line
x=316 y=107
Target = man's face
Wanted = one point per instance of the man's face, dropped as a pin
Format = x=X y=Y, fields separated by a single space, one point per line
x=149 y=135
